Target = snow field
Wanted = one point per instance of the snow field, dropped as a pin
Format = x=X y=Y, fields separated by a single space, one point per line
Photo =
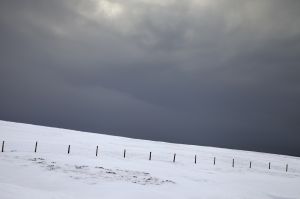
x=52 y=173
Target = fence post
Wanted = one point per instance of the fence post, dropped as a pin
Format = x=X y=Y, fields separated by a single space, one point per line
x=69 y=148
x=124 y=153
x=286 y=167
x=97 y=151
x=269 y=165
x=150 y=155
x=250 y=165
x=2 y=146
x=195 y=159
x=35 y=148
x=174 y=157
x=233 y=162
x=214 y=160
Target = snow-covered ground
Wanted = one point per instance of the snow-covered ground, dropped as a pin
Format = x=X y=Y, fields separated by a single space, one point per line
x=52 y=173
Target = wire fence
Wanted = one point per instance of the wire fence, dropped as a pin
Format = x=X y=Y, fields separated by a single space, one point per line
x=175 y=157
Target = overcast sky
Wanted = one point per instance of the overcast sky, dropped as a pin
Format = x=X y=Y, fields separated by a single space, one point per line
x=220 y=73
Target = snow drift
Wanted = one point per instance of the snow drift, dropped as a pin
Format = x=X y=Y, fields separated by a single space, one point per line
x=53 y=173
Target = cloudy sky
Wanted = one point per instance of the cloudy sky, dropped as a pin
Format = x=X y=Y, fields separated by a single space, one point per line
x=220 y=73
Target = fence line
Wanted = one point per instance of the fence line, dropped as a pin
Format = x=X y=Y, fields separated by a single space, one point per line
x=150 y=156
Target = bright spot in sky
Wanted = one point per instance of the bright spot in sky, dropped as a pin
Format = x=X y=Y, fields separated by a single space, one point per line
x=109 y=9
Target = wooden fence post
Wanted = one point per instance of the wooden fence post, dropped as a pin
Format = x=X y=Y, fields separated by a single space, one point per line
x=174 y=157
x=269 y=165
x=214 y=160
x=2 y=146
x=150 y=155
x=195 y=159
x=233 y=162
x=286 y=167
x=250 y=164
x=69 y=148
x=124 y=153
x=35 y=148
x=97 y=151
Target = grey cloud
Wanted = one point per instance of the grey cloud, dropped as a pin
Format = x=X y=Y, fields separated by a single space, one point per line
x=220 y=73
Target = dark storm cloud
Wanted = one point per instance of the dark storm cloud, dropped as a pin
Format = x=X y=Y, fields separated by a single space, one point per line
x=222 y=73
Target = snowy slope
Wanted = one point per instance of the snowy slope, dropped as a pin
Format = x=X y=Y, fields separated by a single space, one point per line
x=52 y=173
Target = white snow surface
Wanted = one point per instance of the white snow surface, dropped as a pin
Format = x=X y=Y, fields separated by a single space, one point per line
x=51 y=173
